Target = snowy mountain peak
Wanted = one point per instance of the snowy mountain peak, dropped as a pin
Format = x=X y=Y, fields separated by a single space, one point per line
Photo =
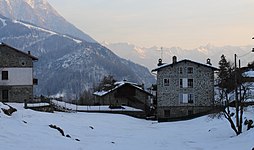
x=31 y=3
x=149 y=56
x=42 y=14
x=43 y=4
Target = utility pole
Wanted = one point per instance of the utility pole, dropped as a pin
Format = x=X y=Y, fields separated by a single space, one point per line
x=236 y=96
x=162 y=53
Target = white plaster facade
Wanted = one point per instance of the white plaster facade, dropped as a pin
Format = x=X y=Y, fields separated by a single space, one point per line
x=17 y=76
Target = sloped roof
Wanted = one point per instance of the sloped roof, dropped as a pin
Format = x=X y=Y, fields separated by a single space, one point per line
x=29 y=55
x=185 y=60
x=118 y=85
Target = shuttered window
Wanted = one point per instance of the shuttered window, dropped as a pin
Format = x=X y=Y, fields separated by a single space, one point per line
x=183 y=83
x=186 y=98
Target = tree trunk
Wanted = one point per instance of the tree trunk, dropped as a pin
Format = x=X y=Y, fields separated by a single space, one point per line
x=228 y=117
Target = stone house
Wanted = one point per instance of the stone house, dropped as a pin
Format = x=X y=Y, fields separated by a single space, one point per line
x=16 y=74
x=124 y=94
x=184 y=88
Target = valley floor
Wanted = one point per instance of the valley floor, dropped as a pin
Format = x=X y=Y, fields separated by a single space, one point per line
x=29 y=130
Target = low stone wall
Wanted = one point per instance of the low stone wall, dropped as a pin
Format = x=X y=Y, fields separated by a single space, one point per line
x=48 y=108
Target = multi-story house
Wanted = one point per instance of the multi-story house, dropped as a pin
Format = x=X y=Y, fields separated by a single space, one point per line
x=184 y=88
x=16 y=74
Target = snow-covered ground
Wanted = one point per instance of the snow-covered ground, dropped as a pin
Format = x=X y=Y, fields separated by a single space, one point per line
x=29 y=130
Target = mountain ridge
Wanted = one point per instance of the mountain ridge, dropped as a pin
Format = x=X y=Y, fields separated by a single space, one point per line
x=149 y=56
x=42 y=14
x=68 y=65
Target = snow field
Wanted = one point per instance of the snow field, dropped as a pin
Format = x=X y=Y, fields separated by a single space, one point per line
x=29 y=130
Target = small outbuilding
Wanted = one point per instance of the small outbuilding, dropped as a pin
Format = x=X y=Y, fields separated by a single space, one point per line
x=125 y=94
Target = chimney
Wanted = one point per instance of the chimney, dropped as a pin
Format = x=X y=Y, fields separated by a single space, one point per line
x=174 y=59
x=160 y=62
x=29 y=53
x=208 y=62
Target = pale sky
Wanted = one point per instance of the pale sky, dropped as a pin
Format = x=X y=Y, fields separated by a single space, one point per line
x=184 y=23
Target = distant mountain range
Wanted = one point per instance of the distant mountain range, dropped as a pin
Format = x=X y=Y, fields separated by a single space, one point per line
x=149 y=56
x=67 y=64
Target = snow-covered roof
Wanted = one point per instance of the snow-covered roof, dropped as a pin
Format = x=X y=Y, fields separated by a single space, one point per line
x=249 y=73
x=185 y=60
x=101 y=93
x=118 y=85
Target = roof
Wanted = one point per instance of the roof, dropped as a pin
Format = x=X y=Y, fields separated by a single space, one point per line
x=249 y=73
x=29 y=55
x=185 y=60
x=118 y=85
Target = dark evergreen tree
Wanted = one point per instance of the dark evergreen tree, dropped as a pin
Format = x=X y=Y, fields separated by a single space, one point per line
x=107 y=83
x=225 y=75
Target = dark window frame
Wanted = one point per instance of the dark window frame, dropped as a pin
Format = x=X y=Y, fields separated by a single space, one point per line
x=190 y=83
x=190 y=98
x=190 y=70
x=181 y=83
x=5 y=75
x=180 y=70
x=167 y=113
x=5 y=94
x=166 y=82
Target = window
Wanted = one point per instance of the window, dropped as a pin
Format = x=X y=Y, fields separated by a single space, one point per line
x=186 y=98
x=190 y=98
x=35 y=81
x=167 y=113
x=180 y=70
x=5 y=94
x=190 y=70
x=190 y=83
x=4 y=75
x=166 y=82
x=183 y=83
x=183 y=98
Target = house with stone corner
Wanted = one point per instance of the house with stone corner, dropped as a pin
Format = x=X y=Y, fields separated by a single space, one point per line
x=16 y=74
x=184 y=88
x=125 y=94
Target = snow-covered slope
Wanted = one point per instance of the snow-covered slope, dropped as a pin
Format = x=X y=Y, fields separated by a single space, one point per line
x=29 y=130
x=40 y=13
x=149 y=56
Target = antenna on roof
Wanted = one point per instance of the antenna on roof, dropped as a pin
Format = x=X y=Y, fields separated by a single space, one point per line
x=161 y=52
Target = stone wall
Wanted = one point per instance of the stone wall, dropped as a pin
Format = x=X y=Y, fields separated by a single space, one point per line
x=17 y=93
x=12 y=58
x=181 y=111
